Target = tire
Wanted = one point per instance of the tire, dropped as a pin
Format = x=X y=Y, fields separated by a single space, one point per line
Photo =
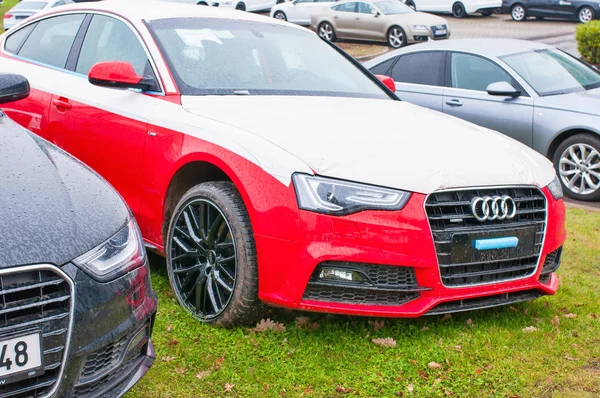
x=586 y=14
x=240 y=6
x=486 y=13
x=202 y=3
x=280 y=15
x=326 y=32
x=518 y=13
x=210 y=238
x=458 y=10
x=579 y=178
x=396 y=37
x=411 y=4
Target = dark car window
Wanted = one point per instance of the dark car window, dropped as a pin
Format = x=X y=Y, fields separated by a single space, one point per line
x=382 y=68
x=345 y=7
x=470 y=72
x=51 y=40
x=108 y=39
x=303 y=1
x=364 y=8
x=421 y=68
x=14 y=41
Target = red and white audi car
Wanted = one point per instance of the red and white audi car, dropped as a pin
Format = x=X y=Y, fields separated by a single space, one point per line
x=270 y=168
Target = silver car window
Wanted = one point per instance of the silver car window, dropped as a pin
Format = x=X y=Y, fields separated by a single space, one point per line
x=345 y=7
x=471 y=72
x=365 y=8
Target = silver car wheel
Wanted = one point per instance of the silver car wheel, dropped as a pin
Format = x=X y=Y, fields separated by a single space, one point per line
x=518 y=13
x=326 y=31
x=579 y=169
x=396 y=37
x=280 y=15
x=586 y=15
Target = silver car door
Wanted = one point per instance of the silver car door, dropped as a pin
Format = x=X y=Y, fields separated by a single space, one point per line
x=368 y=25
x=419 y=78
x=343 y=19
x=466 y=97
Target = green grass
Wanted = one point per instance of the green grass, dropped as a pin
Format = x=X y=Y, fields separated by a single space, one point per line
x=492 y=357
x=7 y=5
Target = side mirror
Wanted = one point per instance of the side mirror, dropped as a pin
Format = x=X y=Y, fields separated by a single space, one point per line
x=13 y=87
x=388 y=81
x=375 y=13
x=116 y=74
x=502 y=89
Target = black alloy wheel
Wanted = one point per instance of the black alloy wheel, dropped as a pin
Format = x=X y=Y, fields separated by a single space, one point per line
x=458 y=10
x=211 y=257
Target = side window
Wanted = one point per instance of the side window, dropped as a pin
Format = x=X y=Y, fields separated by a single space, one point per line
x=51 y=40
x=421 y=68
x=382 y=68
x=14 y=41
x=108 y=39
x=59 y=3
x=470 y=72
x=302 y=1
x=364 y=8
x=345 y=7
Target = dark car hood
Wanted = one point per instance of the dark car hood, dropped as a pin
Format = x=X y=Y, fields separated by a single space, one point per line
x=53 y=207
x=581 y=101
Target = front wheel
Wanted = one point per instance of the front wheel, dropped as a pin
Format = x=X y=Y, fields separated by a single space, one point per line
x=586 y=14
x=280 y=15
x=458 y=10
x=240 y=6
x=396 y=37
x=326 y=31
x=577 y=163
x=518 y=13
x=211 y=256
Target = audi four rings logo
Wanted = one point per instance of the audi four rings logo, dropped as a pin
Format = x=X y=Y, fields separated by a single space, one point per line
x=490 y=208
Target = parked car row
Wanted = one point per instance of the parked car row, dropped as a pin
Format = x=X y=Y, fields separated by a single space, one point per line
x=252 y=202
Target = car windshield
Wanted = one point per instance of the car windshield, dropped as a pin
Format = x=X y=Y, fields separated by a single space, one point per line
x=29 y=5
x=552 y=72
x=209 y=56
x=393 y=7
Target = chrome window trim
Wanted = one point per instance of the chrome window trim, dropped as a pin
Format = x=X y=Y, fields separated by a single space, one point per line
x=57 y=270
x=475 y=285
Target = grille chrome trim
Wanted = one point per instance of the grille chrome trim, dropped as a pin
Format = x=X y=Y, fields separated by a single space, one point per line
x=541 y=196
x=67 y=279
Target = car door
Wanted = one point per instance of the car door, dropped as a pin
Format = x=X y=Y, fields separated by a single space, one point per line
x=343 y=19
x=300 y=10
x=366 y=24
x=465 y=97
x=99 y=123
x=419 y=78
x=44 y=47
x=540 y=8
x=564 y=8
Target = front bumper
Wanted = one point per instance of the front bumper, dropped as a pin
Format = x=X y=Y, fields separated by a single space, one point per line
x=480 y=6
x=401 y=238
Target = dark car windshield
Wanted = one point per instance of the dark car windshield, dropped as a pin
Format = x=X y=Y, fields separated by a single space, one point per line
x=393 y=7
x=232 y=57
x=552 y=72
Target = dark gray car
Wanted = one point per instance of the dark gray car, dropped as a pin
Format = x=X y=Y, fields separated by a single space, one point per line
x=532 y=92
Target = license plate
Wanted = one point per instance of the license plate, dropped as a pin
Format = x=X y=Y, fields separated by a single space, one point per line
x=20 y=354
x=441 y=32
x=464 y=250
x=21 y=17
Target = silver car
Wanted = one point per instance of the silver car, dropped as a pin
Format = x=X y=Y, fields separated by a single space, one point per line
x=532 y=92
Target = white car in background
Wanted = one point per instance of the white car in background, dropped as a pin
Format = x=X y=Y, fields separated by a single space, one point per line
x=244 y=5
x=458 y=8
x=27 y=8
x=298 y=11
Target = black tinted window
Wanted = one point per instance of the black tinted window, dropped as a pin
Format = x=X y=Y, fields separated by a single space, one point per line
x=108 y=39
x=382 y=68
x=422 y=68
x=51 y=40
x=470 y=72
x=14 y=41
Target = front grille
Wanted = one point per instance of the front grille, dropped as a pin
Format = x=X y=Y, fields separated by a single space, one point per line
x=103 y=359
x=453 y=227
x=436 y=28
x=551 y=264
x=103 y=384
x=484 y=302
x=383 y=285
x=36 y=299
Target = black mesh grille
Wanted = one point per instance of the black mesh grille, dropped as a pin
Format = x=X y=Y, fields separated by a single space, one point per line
x=384 y=285
x=484 y=302
x=451 y=218
x=104 y=359
x=36 y=301
x=551 y=264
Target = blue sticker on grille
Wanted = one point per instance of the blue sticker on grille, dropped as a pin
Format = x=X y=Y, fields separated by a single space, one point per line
x=497 y=243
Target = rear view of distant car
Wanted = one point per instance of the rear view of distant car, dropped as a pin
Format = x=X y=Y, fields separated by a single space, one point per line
x=27 y=8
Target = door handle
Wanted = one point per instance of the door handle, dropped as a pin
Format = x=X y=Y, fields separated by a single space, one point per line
x=62 y=103
x=454 y=102
x=357 y=18
x=335 y=17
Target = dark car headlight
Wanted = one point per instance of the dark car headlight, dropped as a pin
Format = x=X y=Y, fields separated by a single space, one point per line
x=123 y=252
x=336 y=197
x=555 y=188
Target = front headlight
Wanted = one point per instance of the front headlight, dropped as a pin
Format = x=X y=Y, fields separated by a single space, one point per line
x=115 y=257
x=418 y=27
x=335 y=197
x=555 y=188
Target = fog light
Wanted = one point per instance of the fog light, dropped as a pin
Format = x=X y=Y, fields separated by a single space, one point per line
x=341 y=275
x=138 y=341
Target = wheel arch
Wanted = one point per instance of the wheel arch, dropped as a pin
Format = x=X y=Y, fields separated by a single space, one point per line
x=563 y=135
